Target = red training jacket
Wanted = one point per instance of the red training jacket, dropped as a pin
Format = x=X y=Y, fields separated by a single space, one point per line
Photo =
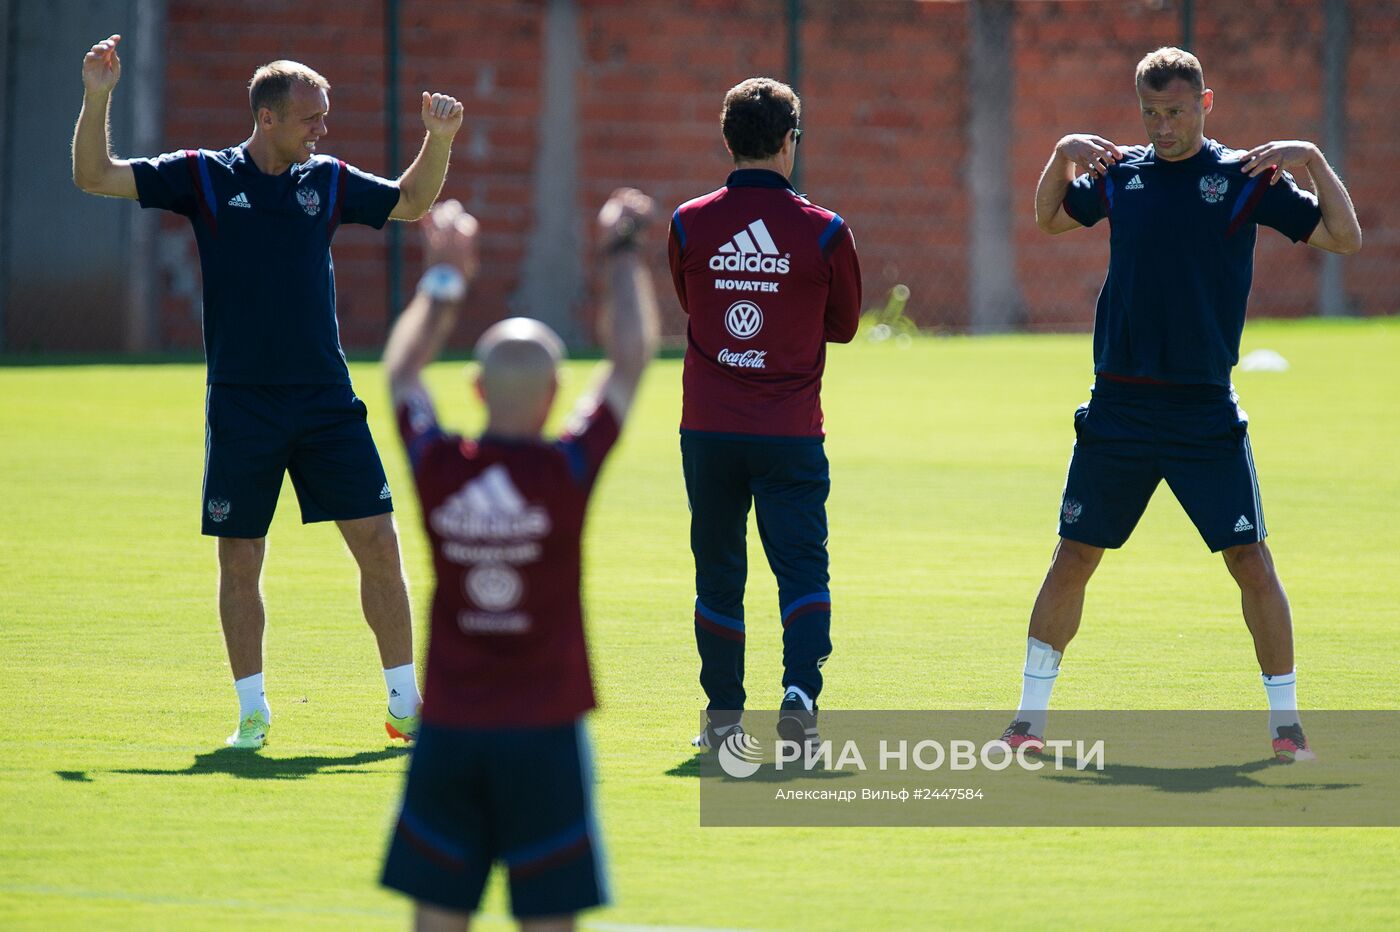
x=768 y=279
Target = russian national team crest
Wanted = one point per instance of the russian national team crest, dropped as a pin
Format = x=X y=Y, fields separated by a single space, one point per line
x=743 y=320
x=309 y=200
x=219 y=509
x=1213 y=188
x=1070 y=511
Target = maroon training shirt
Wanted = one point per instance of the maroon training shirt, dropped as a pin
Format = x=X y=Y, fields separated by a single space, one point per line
x=505 y=517
x=768 y=279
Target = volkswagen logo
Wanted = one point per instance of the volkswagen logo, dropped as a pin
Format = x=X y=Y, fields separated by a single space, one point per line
x=743 y=319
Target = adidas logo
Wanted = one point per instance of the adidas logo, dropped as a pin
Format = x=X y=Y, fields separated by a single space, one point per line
x=239 y=200
x=384 y=494
x=1134 y=185
x=490 y=506
x=750 y=250
x=494 y=493
x=1243 y=525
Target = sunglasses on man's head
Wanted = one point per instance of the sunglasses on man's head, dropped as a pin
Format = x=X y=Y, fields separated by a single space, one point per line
x=796 y=135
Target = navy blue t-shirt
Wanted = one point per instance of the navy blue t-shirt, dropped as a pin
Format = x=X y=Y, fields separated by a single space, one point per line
x=265 y=251
x=1181 y=258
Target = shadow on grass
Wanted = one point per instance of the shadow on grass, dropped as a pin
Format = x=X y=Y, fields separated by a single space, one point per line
x=38 y=359
x=253 y=766
x=1165 y=779
x=689 y=767
x=765 y=774
x=1193 y=779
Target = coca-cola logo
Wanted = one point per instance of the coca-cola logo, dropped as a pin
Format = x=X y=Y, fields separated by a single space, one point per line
x=748 y=359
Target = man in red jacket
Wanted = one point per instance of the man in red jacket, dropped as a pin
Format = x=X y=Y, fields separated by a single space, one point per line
x=768 y=279
x=502 y=769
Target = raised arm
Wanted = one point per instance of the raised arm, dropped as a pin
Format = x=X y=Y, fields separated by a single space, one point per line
x=630 y=318
x=1074 y=154
x=1339 y=231
x=94 y=169
x=449 y=254
x=421 y=182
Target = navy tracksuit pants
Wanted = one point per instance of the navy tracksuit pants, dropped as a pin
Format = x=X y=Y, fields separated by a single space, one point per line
x=787 y=483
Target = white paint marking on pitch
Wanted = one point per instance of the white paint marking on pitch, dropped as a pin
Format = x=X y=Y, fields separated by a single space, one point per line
x=627 y=927
x=255 y=905
x=259 y=906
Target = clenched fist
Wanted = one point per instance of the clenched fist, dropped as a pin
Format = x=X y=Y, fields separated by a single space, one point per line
x=442 y=114
x=623 y=218
x=102 y=69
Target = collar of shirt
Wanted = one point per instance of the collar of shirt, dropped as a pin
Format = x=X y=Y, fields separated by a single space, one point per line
x=244 y=164
x=491 y=439
x=1206 y=154
x=756 y=178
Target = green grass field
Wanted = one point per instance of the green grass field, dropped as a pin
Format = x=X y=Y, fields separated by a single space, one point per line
x=121 y=811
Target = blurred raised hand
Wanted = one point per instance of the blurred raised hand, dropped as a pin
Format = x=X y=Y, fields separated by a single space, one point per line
x=449 y=238
x=623 y=218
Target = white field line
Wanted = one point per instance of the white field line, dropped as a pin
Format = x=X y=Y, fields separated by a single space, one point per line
x=78 y=893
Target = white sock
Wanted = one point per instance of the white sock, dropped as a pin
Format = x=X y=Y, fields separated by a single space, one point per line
x=801 y=694
x=1282 y=690
x=1038 y=679
x=251 y=697
x=403 y=690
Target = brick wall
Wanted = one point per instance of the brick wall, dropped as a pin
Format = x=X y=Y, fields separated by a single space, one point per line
x=1373 y=155
x=886 y=114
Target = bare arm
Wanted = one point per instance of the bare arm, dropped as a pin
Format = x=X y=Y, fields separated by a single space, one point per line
x=422 y=329
x=1073 y=154
x=630 y=318
x=1339 y=231
x=94 y=169
x=421 y=182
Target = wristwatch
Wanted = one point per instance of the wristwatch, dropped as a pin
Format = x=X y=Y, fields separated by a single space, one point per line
x=443 y=283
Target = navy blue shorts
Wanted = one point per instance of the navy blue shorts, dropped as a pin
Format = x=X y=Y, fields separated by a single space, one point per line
x=256 y=433
x=521 y=796
x=1131 y=437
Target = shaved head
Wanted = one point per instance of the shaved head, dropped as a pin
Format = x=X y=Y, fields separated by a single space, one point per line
x=519 y=358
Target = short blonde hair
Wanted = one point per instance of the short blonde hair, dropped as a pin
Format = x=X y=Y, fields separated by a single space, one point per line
x=1159 y=68
x=271 y=84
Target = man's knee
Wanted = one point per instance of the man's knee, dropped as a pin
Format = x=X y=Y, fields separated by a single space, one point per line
x=1251 y=565
x=726 y=600
x=1074 y=563
x=375 y=543
x=241 y=559
x=383 y=541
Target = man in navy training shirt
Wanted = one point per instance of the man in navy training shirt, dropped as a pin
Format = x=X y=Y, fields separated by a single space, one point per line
x=767 y=279
x=279 y=397
x=501 y=770
x=1183 y=212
